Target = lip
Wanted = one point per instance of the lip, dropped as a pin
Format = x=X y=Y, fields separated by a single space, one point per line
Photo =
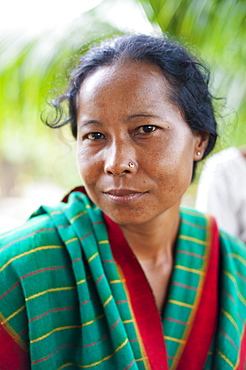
x=123 y=196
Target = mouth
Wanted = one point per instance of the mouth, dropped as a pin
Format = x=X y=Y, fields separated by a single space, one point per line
x=123 y=196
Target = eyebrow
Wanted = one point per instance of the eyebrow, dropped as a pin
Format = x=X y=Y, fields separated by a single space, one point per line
x=129 y=118
x=147 y=115
x=89 y=122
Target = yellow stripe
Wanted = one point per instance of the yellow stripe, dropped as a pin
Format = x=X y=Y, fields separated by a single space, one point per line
x=13 y=314
x=231 y=319
x=65 y=328
x=77 y=216
x=190 y=270
x=71 y=240
x=107 y=301
x=98 y=362
x=103 y=242
x=48 y=291
x=84 y=280
x=81 y=281
x=128 y=321
x=87 y=206
x=56 y=212
x=226 y=359
x=240 y=258
x=180 y=303
x=230 y=276
x=117 y=281
x=195 y=240
x=92 y=321
x=53 y=331
x=142 y=359
x=175 y=340
x=29 y=252
x=92 y=257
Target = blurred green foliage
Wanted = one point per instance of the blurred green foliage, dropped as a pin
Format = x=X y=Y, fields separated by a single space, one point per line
x=33 y=66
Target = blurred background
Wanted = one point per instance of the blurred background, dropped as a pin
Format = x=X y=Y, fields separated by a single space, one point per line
x=38 y=43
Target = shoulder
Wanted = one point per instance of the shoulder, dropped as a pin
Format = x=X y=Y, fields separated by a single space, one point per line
x=195 y=217
x=22 y=248
x=25 y=237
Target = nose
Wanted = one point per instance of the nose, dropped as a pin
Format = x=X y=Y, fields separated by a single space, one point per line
x=120 y=159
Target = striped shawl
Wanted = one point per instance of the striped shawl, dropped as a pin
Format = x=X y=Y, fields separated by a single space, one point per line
x=73 y=295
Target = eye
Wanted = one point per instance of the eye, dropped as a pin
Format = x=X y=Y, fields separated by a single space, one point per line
x=146 y=129
x=94 y=136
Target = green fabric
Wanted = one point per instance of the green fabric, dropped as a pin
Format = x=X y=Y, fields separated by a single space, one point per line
x=62 y=294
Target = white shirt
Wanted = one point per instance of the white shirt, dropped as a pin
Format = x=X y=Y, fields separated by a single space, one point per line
x=222 y=191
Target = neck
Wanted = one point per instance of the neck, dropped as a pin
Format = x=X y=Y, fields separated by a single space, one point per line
x=154 y=241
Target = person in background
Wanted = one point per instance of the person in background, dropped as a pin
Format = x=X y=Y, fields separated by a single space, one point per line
x=222 y=190
x=118 y=276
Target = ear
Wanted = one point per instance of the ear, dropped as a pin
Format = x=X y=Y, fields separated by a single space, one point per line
x=201 y=142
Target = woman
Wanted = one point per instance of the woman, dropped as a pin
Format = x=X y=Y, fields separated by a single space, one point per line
x=117 y=276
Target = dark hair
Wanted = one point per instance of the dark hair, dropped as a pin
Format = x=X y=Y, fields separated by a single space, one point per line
x=188 y=79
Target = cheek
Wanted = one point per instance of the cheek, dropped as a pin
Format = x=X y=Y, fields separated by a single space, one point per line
x=176 y=164
x=89 y=166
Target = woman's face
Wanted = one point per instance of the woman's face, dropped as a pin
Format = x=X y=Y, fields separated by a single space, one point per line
x=135 y=151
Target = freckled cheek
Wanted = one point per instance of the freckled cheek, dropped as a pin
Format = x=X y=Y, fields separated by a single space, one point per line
x=89 y=169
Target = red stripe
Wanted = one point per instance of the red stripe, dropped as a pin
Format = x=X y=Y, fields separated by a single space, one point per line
x=109 y=261
x=119 y=302
x=27 y=236
x=53 y=310
x=42 y=270
x=240 y=276
x=204 y=323
x=71 y=345
x=115 y=324
x=229 y=339
x=178 y=321
x=142 y=300
x=85 y=236
x=130 y=365
x=8 y=291
x=229 y=295
x=77 y=259
x=100 y=278
x=51 y=354
x=88 y=300
x=93 y=344
x=185 y=286
x=191 y=254
x=20 y=334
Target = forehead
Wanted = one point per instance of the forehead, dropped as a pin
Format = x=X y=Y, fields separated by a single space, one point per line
x=125 y=75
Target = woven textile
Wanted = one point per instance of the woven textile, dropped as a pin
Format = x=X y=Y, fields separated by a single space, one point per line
x=73 y=295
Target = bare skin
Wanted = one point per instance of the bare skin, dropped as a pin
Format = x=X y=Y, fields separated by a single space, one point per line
x=125 y=116
x=157 y=261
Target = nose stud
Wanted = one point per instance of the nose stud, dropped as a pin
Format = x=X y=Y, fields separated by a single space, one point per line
x=130 y=164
